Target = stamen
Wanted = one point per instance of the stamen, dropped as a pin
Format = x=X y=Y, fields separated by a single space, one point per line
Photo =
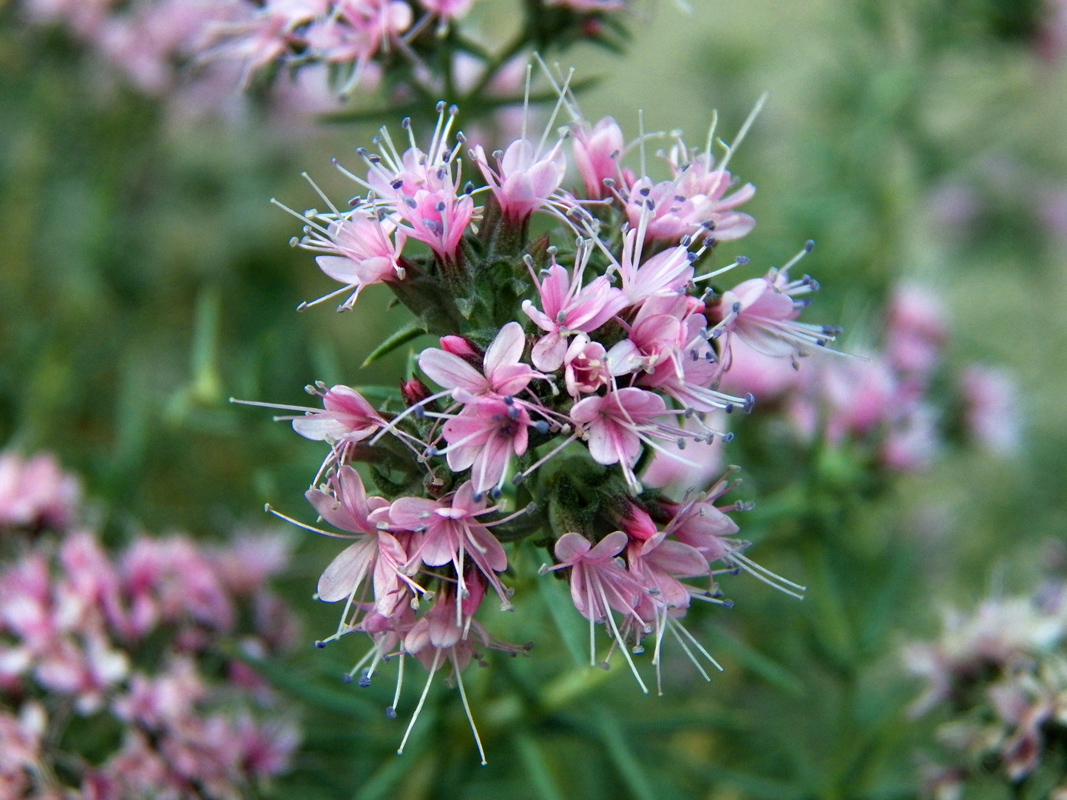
x=467 y=708
x=422 y=701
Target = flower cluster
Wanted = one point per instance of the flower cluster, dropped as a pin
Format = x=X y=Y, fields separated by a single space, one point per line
x=1002 y=674
x=314 y=54
x=883 y=400
x=566 y=363
x=128 y=642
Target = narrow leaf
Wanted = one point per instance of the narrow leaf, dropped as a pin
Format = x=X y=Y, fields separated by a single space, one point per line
x=624 y=759
x=382 y=783
x=304 y=689
x=536 y=767
x=766 y=668
x=567 y=619
x=411 y=330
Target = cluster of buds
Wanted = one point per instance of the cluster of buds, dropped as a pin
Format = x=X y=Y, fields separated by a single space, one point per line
x=131 y=642
x=1001 y=674
x=567 y=363
x=309 y=56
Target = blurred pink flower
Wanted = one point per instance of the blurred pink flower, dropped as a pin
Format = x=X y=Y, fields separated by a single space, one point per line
x=35 y=492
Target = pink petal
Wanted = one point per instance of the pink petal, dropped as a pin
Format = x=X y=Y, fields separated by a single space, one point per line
x=450 y=371
x=608 y=547
x=506 y=348
x=347 y=570
x=570 y=547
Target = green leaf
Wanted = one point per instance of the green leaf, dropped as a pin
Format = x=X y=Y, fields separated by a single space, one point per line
x=383 y=782
x=563 y=613
x=411 y=330
x=620 y=753
x=308 y=691
x=752 y=785
x=771 y=671
x=536 y=767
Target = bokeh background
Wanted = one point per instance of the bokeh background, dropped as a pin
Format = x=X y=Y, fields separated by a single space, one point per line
x=145 y=278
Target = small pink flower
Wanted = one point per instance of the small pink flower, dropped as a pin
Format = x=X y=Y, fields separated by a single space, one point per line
x=700 y=524
x=357 y=250
x=992 y=409
x=35 y=492
x=597 y=151
x=657 y=563
x=171 y=581
x=615 y=424
x=418 y=189
x=346 y=418
x=355 y=31
x=504 y=372
x=688 y=378
x=585 y=366
x=444 y=634
x=762 y=312
x=263 y=36
x=694 y=200
x=448 y=532
x=664 y=274
x=483 y=438
x=569 y=308
x=916 y=330
x=600 y=583
x=525 y=178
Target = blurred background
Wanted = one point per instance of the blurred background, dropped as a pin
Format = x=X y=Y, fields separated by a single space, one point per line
x=145 y=278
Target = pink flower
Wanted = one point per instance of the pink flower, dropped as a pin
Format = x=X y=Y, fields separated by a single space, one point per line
x=992 y=409
x=657 y=563
x=616 y=423
x=916 y=330
x=444 y=634
x=35 y=492
x=374 y=552
x=700 y=524
x=688 y=378
x=171 y=581
x=448 y=531
x=694 y=200
x=418 y=190
x=569 y=308
x=585 y=367
x=354 y=33
x=525 y=178
x=666 y=273
x=762 y=312
x=597 y=151
x=600 y=584
x=346 y=418
x=263 y=36
x=504 y=372
x=357 y=251
x=483 y=437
